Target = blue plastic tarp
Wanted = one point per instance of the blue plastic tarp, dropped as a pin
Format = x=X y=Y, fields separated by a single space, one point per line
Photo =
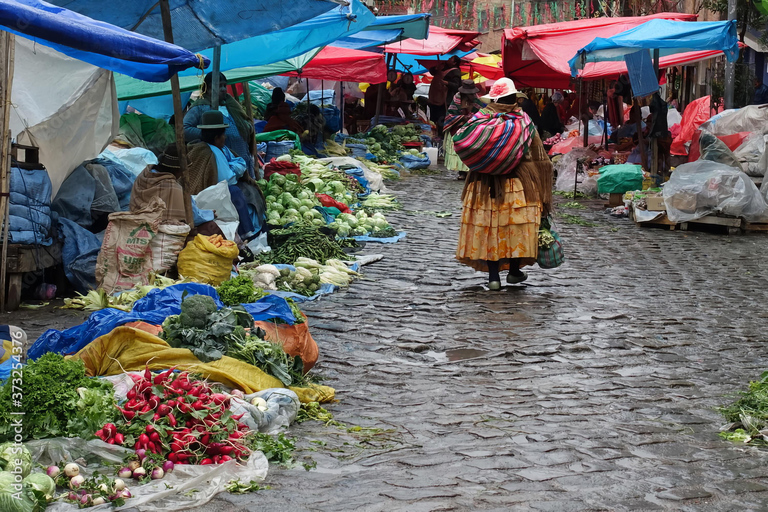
x=668 y=36
x=154 y=309
x=386 y=30
x=390 y=240
x=98 y=43
x=271 y=48
x=200 y=24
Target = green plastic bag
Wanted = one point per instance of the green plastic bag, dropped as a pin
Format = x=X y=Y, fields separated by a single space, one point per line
x=618 y=179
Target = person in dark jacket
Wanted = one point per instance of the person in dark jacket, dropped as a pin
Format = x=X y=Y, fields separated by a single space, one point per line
x=550 y=118
x=761 y=92
x=529 y=107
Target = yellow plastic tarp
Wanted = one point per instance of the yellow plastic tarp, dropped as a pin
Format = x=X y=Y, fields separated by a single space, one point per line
x=127 y=349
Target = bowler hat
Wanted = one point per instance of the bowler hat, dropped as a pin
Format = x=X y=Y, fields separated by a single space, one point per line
x=212 y=120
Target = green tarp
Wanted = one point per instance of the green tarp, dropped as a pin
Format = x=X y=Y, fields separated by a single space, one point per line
x=618 y=179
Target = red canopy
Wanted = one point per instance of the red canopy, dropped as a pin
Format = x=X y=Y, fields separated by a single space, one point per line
x=489 y=72
x=440 y=41
x=538 y=56
x=343 y=64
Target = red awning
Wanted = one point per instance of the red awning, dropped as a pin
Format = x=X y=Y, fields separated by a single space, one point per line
x=343 y=64
x=490 y=72
x=439 y=42
x=538 y=56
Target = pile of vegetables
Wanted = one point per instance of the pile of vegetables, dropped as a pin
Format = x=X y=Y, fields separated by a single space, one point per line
x=35 y=489
x=376 y=201
x=288 y=201
x=748 y=416
x=179 y=419
x=555 y=139
x=88 y=492
x=270 y=358
x=299 y=241
x=361 y=224
x=333 y=272
x=95 y=300
x=239 y=290
x=387 y=171
x=384 y=144
x=269 y=277
x=58 y=400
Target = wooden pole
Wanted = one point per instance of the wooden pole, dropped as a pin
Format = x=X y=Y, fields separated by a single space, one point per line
x=215 y=82
x=247 y=98
x=7 y=55
x=640 y=138
x=380 y=96
x=178 y=111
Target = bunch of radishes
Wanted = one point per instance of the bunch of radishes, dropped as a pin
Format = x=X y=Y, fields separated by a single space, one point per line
x=145 y=468
x=88 y=492
x=180 y=419
x=554 y=140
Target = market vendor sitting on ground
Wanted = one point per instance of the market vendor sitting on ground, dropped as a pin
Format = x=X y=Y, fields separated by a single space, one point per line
x=162 y=180
x=282 y=120
x=211 y=161
x=240 y=132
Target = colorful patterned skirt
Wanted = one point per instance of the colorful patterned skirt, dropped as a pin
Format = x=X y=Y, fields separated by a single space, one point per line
x=500 y=228
x=452 y=160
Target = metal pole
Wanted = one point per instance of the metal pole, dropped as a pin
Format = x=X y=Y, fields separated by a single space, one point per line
x=7 y=55
x=730 y=68
x=216 y=75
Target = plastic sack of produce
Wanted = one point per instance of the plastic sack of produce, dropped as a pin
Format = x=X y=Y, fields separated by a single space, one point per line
x=328 y=201
x=268 y=410
x=700 y=188
x=752 y=118
x=167 y=245
x=125 y=259
x=618 y=179
x=715 y=150
x=187 y=486
x=207 y=260
x=295 y=339
x=750 y=154
x=566 y=172
x=696 y=113
x=409 y=161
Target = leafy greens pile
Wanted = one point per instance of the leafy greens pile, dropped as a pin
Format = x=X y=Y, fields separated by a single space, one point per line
x=749 y=414
x=57 y=399
x=269 y=357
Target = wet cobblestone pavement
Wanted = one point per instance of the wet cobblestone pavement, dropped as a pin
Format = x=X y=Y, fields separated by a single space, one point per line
x=589 y=387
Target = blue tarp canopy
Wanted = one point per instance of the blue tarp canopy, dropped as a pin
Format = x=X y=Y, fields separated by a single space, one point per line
x=200 y=24
x=407 y=62
x=95 y=42
x=388 y=29
x=668 y=36
x=292 y=47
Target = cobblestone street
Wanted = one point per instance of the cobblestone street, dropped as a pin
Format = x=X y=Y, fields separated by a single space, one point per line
x=590 y=387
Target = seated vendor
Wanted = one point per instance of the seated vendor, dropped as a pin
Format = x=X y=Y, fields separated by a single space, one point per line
x=211 y=162
x=282 y=120
x=162 y=180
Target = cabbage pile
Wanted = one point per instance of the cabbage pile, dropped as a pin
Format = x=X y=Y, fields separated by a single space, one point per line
x=361 y=224
x=289 y=201
x=386 y=144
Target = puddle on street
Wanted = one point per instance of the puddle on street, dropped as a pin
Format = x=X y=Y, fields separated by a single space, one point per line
x=458 y=354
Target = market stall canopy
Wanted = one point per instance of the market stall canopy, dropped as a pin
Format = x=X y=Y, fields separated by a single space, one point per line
x=95 y=42
x=130 y=89
x=343 y=64
x=440 y=41
x=288 y=50
x=388 y=29
x=668 y=36
x=200 y=24
x=538 y=56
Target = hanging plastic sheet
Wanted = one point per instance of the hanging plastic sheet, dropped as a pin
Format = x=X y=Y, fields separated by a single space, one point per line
x=154 y=309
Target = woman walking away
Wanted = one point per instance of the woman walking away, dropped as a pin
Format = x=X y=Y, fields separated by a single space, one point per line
x=508 y=189
x=464 y=105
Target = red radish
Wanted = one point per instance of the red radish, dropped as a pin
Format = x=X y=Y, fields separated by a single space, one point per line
x=143 y=438
x=206 y=462
x=119 y=438
x=225 y=458
x=198 y=405
x=172 y=420
x=164 y=410
x=141 y=452
x=135 y=377
x=216 y=459
x=154 y=437
x=131 y=394
x=172 y=457
x=100 y=434
x=111 y=441
x=220 y=399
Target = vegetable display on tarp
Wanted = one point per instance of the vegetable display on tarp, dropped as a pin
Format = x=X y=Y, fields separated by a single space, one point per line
x=386 y=145
x=299 y=241
x=269 y=277
x=98 y=299
x=58 y=400
x=289 y=201
x=361 y=224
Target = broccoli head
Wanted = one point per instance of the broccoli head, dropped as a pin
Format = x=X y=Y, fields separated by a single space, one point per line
x=195 y=310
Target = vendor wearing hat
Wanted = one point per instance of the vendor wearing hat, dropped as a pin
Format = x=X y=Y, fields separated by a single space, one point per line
x=240 y=132
x=210 y=160
x=163 y=181
x=282 y=120
x=506 y=193
x=464 y=105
